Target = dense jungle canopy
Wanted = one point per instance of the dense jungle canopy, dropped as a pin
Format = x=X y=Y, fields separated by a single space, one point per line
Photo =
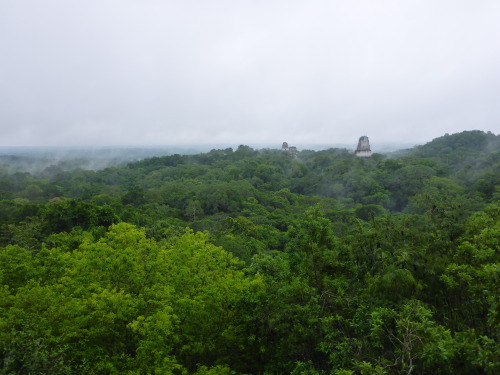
x=255 y=262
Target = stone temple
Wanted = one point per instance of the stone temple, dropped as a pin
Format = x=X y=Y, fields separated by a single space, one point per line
x=363 y=150
x=291 y=149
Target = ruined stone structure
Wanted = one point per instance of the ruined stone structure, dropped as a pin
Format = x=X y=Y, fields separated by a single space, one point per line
x=363 y=150
x=290 y=149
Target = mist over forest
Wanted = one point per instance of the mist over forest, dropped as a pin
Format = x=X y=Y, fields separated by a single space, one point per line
x=244 y=260
x=249 y=187
x=37 y=160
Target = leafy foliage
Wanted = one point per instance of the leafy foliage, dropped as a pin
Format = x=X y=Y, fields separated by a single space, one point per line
x=255 y=262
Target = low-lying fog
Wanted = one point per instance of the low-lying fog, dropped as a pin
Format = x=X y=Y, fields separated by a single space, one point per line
x=36 y=159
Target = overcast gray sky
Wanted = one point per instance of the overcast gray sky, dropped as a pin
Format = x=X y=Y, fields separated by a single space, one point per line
x=160 y=72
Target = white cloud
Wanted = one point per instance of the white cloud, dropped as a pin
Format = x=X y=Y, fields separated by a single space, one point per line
x=166 y=72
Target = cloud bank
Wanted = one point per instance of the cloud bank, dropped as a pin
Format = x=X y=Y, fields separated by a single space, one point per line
x=125 y=72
